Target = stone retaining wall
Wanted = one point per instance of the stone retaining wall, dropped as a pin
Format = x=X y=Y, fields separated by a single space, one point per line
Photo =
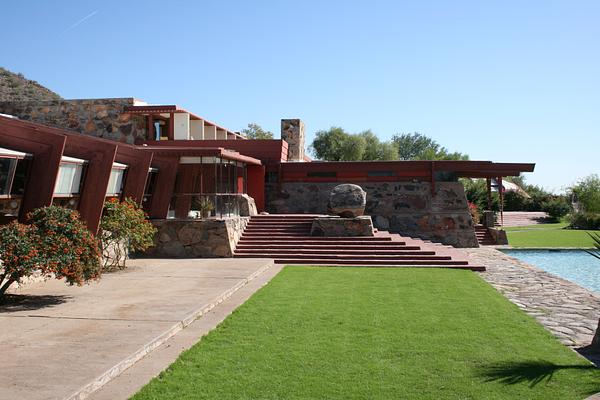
x=196 y=238
x=402 y=207
x=95 y=117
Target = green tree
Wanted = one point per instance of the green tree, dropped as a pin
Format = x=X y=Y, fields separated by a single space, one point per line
x=335 y=144
x=375 y=149
x=255 y=131
x=587 y=192
x=328 y=145
x=415 y=146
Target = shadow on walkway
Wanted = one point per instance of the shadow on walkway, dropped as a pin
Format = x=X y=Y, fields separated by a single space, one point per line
x=533 y=372
x=25 y=302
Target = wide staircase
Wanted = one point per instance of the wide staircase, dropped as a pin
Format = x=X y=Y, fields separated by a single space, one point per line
x=484 y=237
x=286 y=239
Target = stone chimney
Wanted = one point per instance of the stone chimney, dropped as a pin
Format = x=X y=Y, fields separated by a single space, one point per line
x=292 y=131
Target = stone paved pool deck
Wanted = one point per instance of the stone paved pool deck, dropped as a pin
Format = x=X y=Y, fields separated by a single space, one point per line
x=566 y=309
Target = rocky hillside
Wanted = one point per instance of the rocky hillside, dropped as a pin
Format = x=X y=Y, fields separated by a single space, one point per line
x=15 y=87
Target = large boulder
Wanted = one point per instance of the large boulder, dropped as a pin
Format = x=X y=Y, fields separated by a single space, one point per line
x=347 y=200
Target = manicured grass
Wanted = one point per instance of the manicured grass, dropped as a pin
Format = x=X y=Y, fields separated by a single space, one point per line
x=548 y=235
x=361 y=333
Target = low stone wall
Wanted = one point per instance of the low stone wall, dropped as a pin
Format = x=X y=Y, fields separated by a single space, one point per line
x=341 y=227
x=196 y=238
x=499 y=236
x=406 y=208
x=95 y=117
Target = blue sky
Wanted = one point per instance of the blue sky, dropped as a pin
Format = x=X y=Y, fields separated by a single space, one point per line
x=508 y=81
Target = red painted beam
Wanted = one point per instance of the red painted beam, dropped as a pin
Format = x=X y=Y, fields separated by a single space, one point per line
x=100 y=156
x=165 y=183
x=46 y=148
x=138 y=165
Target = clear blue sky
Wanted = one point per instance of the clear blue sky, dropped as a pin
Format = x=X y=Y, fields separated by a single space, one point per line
x=513 y=81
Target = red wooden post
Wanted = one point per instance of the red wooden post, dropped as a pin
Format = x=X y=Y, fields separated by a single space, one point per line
x=165 y=182
x=256 y=185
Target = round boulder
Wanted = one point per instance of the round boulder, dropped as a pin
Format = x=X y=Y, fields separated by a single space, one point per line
x=347 y=201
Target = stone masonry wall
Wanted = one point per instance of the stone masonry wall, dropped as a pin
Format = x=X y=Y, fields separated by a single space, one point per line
x=292 y=131
x=196 y=238
x=402 y=207
x=95 y=117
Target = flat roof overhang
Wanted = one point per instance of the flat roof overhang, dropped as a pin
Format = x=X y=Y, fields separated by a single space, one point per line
x=201 y=152
x=467 y=169
x=173 y=108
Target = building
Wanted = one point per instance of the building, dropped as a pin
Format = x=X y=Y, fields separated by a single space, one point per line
x=79 y=152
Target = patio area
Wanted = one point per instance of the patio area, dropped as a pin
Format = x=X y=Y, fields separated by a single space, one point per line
x=61 y=342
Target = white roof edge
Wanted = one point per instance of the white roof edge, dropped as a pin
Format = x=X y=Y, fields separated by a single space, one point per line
x=72 y=160
x=9 y=152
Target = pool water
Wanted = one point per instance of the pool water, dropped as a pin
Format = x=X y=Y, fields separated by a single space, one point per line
x=574 y=265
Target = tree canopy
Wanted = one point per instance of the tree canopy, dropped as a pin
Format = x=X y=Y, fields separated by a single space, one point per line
x=255 y=131
x=415 y=146
x=335 y=144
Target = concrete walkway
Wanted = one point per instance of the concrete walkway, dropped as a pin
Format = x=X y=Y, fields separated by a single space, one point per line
x=60 y=342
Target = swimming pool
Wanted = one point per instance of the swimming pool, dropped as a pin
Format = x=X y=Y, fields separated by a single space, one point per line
x=574 y=265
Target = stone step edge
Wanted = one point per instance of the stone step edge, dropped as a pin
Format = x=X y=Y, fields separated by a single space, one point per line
x=365 y=265
x=146 y=349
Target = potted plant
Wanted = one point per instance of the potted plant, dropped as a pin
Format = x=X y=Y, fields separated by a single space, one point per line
x=204 y=205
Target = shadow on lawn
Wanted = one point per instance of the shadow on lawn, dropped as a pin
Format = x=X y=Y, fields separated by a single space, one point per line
x=533 y=372
x=23 y=302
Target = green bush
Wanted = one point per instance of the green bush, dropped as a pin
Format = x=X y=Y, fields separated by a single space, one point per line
x=124 y=228
x=587 y=192
x=556 y=208
x=584 y=220
x=54 y=243
x=19 y=254
x=69 y=249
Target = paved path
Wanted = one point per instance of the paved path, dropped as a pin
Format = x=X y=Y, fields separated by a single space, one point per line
x=523 y=218
x=566 y=309
x=65 y=342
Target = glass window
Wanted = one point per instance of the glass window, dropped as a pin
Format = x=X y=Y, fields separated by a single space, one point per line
x=5 y=175
x=20 y=178
x=69 y=179
x=381 y=173
x=115 y=183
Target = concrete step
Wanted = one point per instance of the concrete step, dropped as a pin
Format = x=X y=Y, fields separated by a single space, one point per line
x=371 y=263
x=329 y=250
x=368 y=261
x=339 y=256
x=317 y=238
x=391 y=246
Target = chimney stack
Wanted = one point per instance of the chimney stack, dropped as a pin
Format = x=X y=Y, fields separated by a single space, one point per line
x=292 y=131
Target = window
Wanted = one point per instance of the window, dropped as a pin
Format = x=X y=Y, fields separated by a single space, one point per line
x=381 y=173
x=68 y=182
x=117 y=177
x=20 y=177
x=6 y=171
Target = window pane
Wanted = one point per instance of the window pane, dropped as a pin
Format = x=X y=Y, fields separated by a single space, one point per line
x=69 y=178
x=116 y=182
x=5 y=164
x=21 y=172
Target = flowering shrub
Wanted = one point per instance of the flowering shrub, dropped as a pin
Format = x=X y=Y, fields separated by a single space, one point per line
x=124 y=228
x=19 y=253
x=55 y=243
x=474 y=212
x=70 y=250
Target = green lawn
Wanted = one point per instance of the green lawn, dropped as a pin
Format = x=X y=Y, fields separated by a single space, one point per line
x=548 y=235
x=360 y=333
